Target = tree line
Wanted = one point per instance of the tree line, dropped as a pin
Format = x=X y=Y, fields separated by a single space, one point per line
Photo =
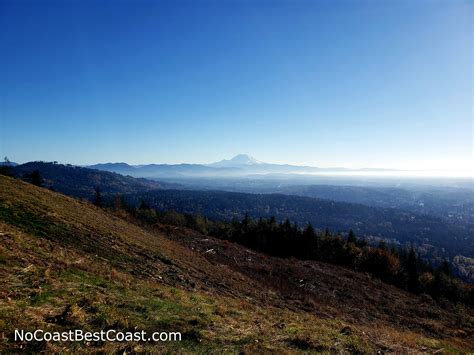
x=399 y=266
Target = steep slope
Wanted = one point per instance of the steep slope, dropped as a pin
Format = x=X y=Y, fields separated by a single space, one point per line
x=65 y=264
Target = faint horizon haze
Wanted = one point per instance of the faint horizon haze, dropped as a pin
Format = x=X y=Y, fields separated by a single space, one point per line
x=349 y=171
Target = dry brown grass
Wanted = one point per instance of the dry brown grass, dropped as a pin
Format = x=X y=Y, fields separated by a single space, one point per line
x=72 y=265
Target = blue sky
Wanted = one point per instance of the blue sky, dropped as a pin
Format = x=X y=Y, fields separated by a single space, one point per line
x=325 y=83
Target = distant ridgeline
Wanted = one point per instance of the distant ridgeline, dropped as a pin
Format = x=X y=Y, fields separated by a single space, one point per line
x=434 y=239
x=81 y=182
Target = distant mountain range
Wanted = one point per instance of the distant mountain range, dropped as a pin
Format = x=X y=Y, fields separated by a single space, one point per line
x=240 y=165
x=81 y=182
x=241 y=160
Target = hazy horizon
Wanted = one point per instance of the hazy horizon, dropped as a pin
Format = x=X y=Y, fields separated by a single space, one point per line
x=358 y=171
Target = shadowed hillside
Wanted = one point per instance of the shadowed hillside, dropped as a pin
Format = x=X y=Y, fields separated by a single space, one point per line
x=67 y=265
x=81 y=182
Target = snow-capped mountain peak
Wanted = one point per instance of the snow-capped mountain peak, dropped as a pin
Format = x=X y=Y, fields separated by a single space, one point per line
x=238 y=160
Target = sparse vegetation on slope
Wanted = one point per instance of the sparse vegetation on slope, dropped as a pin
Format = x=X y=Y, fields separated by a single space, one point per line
x=398 y=266
x=67 y=264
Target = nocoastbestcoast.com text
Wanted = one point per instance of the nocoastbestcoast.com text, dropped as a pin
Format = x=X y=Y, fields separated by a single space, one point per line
x=111 y=335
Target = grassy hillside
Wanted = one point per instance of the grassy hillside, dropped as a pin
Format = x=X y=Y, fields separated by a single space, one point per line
x=65 y=264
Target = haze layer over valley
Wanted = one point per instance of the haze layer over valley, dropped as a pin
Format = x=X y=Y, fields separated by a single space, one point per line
x=243 y=165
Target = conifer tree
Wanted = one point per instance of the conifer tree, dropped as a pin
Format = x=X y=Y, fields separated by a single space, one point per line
x=351 y=237
x=445 y=269
x=98 y=201
x=5 y=168
x=411 y=268
x=36 y=178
